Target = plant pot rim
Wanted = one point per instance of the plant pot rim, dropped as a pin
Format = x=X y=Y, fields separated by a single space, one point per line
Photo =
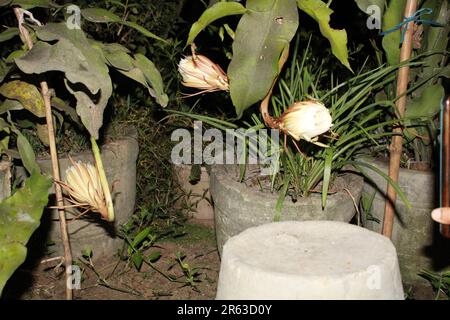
x=129 y=132
x=352 y=180
x=384 y=162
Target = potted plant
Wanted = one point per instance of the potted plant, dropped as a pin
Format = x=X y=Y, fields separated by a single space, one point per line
x=63 y=61
x=415 y=235
x=324 y=128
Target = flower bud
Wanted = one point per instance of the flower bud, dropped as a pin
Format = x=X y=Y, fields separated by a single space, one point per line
x=201 y=73
x=84 y=188
x=305 y=120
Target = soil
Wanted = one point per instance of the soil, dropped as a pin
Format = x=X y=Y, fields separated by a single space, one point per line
x=110 y=278
x=113 y=279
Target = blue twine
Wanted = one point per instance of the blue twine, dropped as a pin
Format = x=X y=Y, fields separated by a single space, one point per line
x=416 y=17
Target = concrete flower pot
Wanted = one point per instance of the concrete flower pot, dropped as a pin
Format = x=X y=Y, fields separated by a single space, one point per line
x=415 y=234
x=237 y=207
x=119 y=159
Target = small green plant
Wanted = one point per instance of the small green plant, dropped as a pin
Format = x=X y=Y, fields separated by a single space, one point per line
x=104 y=281
x=439 y=281
x=191 y=275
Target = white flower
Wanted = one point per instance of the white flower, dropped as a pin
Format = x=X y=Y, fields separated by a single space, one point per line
x=306 y=120
x=201 y=73
x=84 y=188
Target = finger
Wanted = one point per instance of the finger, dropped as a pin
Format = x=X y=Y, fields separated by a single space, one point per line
x=441 y=215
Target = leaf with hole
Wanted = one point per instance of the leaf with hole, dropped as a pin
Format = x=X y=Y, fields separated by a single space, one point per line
x=263 y=32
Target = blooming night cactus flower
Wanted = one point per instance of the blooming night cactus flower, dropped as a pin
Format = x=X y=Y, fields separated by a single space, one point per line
x=84 y=188
x=201 y=73
x=306 y=120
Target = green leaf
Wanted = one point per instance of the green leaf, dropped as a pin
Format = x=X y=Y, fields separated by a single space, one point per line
x=262 y=34
x=137 y=259
x=20 y=216
x=26 y=153
x=321 y=13
x=145 y=73
x=99 y=15
x=4 y=69
x=14 y=55
x=326 y=176
x=10 y=105
x=282 y=197
x=27 y=94
x=217 y=11
x=42 y=133
x=144 y=31
x=428 y=104
x=141 y=236
x=8 y=34
x=435 y=39
x=4 y=2
x=154 y=256
x=30 y=4
x=61 y=105
x=87 y=67
x=119 y=60
x=87 y=253
x=395 y=186
x=391 y=42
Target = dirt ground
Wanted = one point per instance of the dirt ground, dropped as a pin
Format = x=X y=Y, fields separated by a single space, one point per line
x=109 y=278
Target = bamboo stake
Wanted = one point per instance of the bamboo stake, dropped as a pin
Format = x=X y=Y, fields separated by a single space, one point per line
x=445 y=166
x=397 y=139
x=54 y=157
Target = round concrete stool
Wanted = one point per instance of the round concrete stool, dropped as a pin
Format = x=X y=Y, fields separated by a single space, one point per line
x=309 y=260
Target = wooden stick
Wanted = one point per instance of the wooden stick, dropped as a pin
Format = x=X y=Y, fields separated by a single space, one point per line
x=397 y=139
x=54 y=157
x=445 y=149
